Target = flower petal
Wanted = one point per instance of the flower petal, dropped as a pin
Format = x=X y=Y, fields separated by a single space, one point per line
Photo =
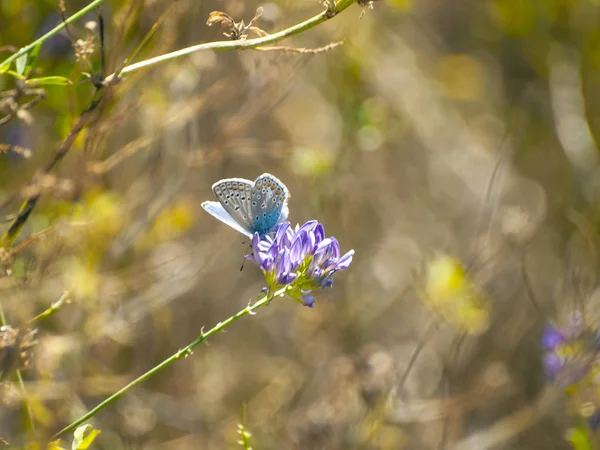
x=308 y=226
x=296 y=256
x=345 y=261
x=551 y=338
x=281 y=232
x=319 y=233
x=552 y=365
x=308 y=300
x=256 y=249
x=300 y=253
x=323 y=246
x=334 y=248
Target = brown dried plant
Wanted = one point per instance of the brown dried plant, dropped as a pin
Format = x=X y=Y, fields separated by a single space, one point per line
x=237 y=30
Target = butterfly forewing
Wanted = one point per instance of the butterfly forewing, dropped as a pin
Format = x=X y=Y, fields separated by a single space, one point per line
x=216 y=210
x=269 y=201
x=234 y=194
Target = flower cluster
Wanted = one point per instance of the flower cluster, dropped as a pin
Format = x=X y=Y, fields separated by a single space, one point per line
x=301 y=258
x=572 y=361
x=570 y=351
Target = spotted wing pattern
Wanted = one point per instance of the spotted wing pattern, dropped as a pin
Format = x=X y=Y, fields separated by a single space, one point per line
x=234 y=196
x=269 y=203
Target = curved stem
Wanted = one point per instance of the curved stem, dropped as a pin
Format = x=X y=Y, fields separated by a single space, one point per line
x=82 y=12
x=239 y=44
x=183 y=353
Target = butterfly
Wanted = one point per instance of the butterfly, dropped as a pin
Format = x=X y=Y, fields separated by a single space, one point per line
x=250 y=207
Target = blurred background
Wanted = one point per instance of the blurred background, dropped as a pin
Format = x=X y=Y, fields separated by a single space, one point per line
x=463 y=128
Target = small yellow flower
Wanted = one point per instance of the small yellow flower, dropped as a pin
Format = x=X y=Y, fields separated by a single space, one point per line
x=449 y=293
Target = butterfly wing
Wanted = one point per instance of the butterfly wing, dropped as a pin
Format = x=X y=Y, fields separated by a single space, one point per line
x=269 y=203
x=234 y=196
x=216 y=210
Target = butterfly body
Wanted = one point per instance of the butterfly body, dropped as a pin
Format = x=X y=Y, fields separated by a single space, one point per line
x=250 y=206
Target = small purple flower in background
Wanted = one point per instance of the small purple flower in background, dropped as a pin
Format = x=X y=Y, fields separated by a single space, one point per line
x=571 y=352
x=572 y=362
x=301 y=258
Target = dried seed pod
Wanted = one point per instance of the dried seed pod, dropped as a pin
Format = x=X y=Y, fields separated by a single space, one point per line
x=15 y=349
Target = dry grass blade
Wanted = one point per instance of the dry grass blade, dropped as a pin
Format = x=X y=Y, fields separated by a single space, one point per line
x=508 y=428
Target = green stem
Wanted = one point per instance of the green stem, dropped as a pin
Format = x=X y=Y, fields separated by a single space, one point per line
x=82 y=12
x=246 y=44
x=184 y=352
x=27 y=412
x=54 y=307
x=2 y=316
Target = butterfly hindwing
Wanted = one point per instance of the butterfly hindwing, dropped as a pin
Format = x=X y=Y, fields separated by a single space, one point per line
x=269 y=203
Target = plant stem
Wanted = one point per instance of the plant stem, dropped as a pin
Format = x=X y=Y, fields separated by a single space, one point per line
x=82 y=12
x=183 y=353
x=29 y=204
x=27 y=412
x=54 y=307
x=239 y=44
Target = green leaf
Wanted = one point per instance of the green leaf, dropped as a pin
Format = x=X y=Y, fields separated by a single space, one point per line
x=578 y=438
x=32 y=58
x=21 y=64
x=15 y=74
x=49 y=81
x=81 y=441
x=55 y=445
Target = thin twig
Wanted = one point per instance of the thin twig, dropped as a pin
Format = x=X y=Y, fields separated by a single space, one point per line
x=57 y=29
x=246 y=44
x=307 y=51
x=148 y=35
x=184 y=114
x=29 y=204
x=413 y=358
x=183 y=353
x=30 y=240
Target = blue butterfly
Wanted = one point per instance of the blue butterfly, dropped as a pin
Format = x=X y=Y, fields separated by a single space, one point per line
x=250 y=207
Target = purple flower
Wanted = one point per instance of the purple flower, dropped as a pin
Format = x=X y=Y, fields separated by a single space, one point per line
x=301 y=258
x=571 y=352
x=552 y=338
